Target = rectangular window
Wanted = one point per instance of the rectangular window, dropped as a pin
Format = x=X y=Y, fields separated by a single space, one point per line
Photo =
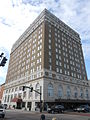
x=60 y=70
x=49 y=46
x=50 y=67
x=49 y=40
x=50 y=53
x=57 y=69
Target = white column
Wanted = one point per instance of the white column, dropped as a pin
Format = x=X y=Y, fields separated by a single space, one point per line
x=26 y=105
x=33 y=106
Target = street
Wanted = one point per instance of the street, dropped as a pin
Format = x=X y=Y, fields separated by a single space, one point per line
x=26 y=115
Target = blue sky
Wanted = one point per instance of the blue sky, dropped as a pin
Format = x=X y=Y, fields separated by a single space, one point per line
x=17 y=15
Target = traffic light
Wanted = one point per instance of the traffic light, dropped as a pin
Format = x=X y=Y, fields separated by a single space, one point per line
x=23 y=88
x=1 y=55
x=3 y=62
x=31 y=89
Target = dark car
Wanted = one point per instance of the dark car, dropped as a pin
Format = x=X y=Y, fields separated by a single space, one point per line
x=83 y=108
x=57 y=108
x=5 y=106
x=2 y=111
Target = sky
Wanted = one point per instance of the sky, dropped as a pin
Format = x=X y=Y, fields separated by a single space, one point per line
x=17 y=15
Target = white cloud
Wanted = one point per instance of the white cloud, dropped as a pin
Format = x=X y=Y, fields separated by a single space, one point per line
x=86 y=50
x=17 y=15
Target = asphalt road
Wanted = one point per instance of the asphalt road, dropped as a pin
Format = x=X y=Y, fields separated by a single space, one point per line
x=26 y=115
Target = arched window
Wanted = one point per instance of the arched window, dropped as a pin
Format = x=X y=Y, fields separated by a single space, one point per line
x=75 y=93
x=37 y=88
x=81 y=93
x=68 y=92
x=50 y=90
x=87 y=94
x=60 y=91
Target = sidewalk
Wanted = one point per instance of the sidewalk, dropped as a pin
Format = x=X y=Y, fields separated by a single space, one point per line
x=26 y=111
x=45 y=112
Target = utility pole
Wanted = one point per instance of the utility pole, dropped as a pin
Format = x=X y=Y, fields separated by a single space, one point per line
x=31 y=88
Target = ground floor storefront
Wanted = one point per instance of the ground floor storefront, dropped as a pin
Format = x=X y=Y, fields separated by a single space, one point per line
x=37 y=105
x=68 y=104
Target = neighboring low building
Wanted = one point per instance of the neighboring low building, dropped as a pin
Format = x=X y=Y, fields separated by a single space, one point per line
x=48 y=55
x=1 y=91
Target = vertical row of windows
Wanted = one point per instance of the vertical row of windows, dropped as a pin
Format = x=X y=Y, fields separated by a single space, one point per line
x=50 y=47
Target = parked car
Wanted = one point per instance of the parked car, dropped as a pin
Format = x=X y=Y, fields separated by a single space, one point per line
x=2 y=111
x=83 y=108
x=5 y=105
x=57 y=108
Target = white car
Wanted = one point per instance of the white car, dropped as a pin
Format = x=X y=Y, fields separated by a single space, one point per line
x=2 y=111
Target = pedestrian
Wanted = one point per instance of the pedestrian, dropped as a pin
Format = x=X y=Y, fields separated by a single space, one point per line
x=54 y=118
x=42 y=117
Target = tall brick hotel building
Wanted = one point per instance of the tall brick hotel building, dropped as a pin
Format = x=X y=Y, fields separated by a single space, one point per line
x=48 y=55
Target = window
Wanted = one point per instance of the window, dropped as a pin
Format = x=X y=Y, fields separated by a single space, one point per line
x=59 y=57
x=56 y=50
x=49 y=30
x=60 y=91
x=72 y=74
x=68 y=73
x=50 y=90
x=68 y=92
x=56 y=62
x=75 y=93
x=64 y=65
x=57 y=69
x=50 y=67
x=60 y=70
x=59 y=51
x=81 y=93
x=50 y=53
x=56 y=56
x=8 y=98
x=60 y=64
x=49 y=46
x=38 y=74
x=49 y=35
x=49 y=40
x=11 y=97
x=56 y=44
x=65 y=72
x=87 y=96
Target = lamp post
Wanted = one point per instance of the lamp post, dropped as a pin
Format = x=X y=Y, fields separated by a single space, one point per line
x=40 y=100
